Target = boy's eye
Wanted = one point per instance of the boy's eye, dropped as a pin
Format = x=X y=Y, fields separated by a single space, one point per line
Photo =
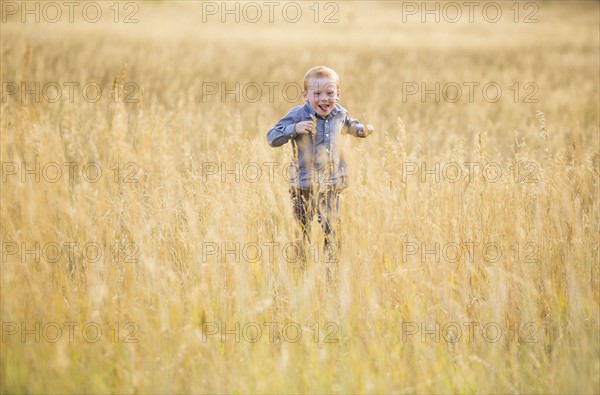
x=328 y=94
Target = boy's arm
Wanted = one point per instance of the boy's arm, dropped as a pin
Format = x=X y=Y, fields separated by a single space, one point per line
x=283 y=131
x=357 y=129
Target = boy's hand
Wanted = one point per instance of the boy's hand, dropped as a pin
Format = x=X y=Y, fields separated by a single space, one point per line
x=366 y=131
x=305 y=127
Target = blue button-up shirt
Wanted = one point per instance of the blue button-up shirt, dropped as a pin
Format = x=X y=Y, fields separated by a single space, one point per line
x=317 y=160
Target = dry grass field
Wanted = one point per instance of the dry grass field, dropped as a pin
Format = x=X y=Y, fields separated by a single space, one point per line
x=146 y=225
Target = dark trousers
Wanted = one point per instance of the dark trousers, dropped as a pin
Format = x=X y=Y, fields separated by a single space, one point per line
x=307 y=202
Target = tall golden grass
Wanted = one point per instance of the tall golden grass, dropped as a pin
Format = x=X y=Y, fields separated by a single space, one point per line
x=166 y=288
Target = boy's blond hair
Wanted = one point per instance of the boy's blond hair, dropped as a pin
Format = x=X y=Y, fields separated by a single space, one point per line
x=321 y=72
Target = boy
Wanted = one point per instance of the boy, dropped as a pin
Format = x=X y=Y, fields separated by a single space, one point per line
x=320 y=172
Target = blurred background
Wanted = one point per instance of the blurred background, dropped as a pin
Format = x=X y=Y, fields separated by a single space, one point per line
x=168 y=105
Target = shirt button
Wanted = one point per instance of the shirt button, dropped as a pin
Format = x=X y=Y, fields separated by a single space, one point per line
x=327 y=135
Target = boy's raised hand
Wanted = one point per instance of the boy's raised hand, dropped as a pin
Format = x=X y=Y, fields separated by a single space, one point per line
x=305 y=127
x=366 y=131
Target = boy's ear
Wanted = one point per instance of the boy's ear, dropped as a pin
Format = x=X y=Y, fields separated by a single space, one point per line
x=304 y=95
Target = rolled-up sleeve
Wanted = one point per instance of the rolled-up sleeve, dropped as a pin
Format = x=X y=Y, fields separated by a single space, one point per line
x=353 y=126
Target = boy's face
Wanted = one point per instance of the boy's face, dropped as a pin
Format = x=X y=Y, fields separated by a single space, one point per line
x=322 y=94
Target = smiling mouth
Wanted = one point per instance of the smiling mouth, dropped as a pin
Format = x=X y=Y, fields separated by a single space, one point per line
x=324 y=107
